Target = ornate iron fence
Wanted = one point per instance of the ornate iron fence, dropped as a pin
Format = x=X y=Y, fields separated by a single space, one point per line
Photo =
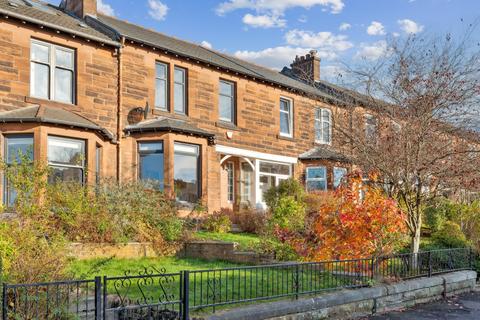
x=155 y=294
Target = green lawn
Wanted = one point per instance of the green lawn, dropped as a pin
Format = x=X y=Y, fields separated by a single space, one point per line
x=246 y=241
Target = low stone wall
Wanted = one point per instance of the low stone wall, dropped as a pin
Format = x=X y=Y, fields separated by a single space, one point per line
x=219 y=250
x=102 y=250
x=358 y=302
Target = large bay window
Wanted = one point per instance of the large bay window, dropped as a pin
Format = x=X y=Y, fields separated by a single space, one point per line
x=187 y=172
x=271 y=174
x=17 y=149
x=52 y=70
x=323 y=126
x=286 y=117
x=151 y=160
x=66 y=158
x=316 y=178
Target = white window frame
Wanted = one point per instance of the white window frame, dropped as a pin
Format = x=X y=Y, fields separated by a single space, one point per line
x=167 y=85
x=278 y=176
x=184 y=90
x=233 y=105
x=81 y=166
x=230 y=168
x=319 y=122
x=246 y=189
x=337 y=168
x=316 y=179
x=290 y=117
x=52 y=66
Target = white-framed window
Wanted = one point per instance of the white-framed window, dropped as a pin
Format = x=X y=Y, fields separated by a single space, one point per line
x=227 y=101
x=17 y=148
x=286 y=117
x=370 y=127
x=186 y=172
x=161 y=85
x=52 y=72
x=270 y=174
x=338 y=175
x=230 y=182
x=316 y=178
x=246 y=183
x=66 y=158
x=323 y=126
x=179 y=86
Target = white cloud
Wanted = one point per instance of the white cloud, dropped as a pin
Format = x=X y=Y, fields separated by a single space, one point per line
x=263 y=21
x=278 y=57
x=206 y=44
x=277 y=6
x=373 y=51
x=409 y=26
x=320 y=40
x=332 y=72
x=376 y=29
x=104 y=8
x=344 y=26
x=158 y=10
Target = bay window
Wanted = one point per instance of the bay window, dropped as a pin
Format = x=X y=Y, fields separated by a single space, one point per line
x=186 y=172
x=316 y=178
x=271 y=174
x=52 y=70
x=66 y=158
x=151 y=161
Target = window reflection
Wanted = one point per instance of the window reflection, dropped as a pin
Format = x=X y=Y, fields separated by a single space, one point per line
x=151 y=160
x=186 y=173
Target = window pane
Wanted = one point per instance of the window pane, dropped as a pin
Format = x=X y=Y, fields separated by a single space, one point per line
x=226 y=88
x=338 y=174
x=39 y=80
x=318 y=131
x=275 y=168
x=66 y=151
x=161 y=70
x=316 y=185
x=40 y=52
x=64 y=58
x=152 y=164
x=246 y=182
x=16 y=146
x=230 y=181
x=179 y=98
x=226 y=107
x=65 y=174
x=316 y=173
x=186 y=172
x=179 y=75
x=161 y=94
x=284 y=123
x=63 y=85
x=326 y=132
x=284 y=105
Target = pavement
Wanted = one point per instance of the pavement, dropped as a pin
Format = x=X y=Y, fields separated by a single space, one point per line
x=465 y=307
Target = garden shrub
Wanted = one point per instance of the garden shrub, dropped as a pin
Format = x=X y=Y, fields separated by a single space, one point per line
x=286 y=188
x=451 y=236
x=251 y=220
x=217 y=222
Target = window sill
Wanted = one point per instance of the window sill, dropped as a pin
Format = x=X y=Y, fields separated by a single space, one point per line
x=46 y=102
x=226 y=125
x=319 y=143
x=287 y=138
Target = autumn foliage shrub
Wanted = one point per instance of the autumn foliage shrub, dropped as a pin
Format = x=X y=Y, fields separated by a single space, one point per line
x=218 y=221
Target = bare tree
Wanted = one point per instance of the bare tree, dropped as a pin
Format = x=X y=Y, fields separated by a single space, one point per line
x=420 y=137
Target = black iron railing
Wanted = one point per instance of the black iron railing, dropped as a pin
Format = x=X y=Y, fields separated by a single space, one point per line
x=155 y=294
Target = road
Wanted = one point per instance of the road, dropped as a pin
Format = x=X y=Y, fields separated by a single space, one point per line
x=465 y=307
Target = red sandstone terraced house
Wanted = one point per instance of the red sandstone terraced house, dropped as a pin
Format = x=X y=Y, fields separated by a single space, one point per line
x=133 y=103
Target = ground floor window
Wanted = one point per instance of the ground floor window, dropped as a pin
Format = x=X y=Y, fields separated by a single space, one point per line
x=186 y=172
x=246 y=180
x=270 y=175
x=66 y=158
x=151 y=160
x=17 y=149
x=230 y=181
x=338 y=174
x=316 y=178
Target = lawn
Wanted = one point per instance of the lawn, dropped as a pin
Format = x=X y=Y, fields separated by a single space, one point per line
x=246 y=241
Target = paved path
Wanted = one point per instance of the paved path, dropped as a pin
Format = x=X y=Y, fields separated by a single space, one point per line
x=465 y=307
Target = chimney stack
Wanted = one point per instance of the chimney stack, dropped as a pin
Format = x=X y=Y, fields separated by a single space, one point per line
x=307 y=68
x=80 y=8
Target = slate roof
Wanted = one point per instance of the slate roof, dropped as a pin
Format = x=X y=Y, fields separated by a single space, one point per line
x=52 y=115
x=187 y=49
x=322 y=153
x=169 y=125
x=51 y=16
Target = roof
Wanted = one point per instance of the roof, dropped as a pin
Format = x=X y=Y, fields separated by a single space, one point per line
x=322 y=153
x=194 y=51
x=48 y=15
x=169 y=125
x=51 y=115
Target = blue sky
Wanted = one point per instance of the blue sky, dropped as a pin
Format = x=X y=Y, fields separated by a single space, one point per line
x=272 y=32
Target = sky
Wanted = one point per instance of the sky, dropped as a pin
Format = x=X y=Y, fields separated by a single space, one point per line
x=273 y=32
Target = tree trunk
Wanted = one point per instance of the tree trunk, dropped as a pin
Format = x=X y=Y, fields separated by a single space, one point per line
x=415 y=241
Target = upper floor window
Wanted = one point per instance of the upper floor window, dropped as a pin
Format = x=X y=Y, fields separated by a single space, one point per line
x=323 y=126
x=316 y=178
x=370 y=127
x=227 y=101
x=161 y=86
x=66 y=158
x=286 y=117
x=179 y=99
x=52 y=70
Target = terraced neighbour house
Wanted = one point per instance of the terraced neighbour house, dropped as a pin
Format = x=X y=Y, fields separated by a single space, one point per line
x=94 y=94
